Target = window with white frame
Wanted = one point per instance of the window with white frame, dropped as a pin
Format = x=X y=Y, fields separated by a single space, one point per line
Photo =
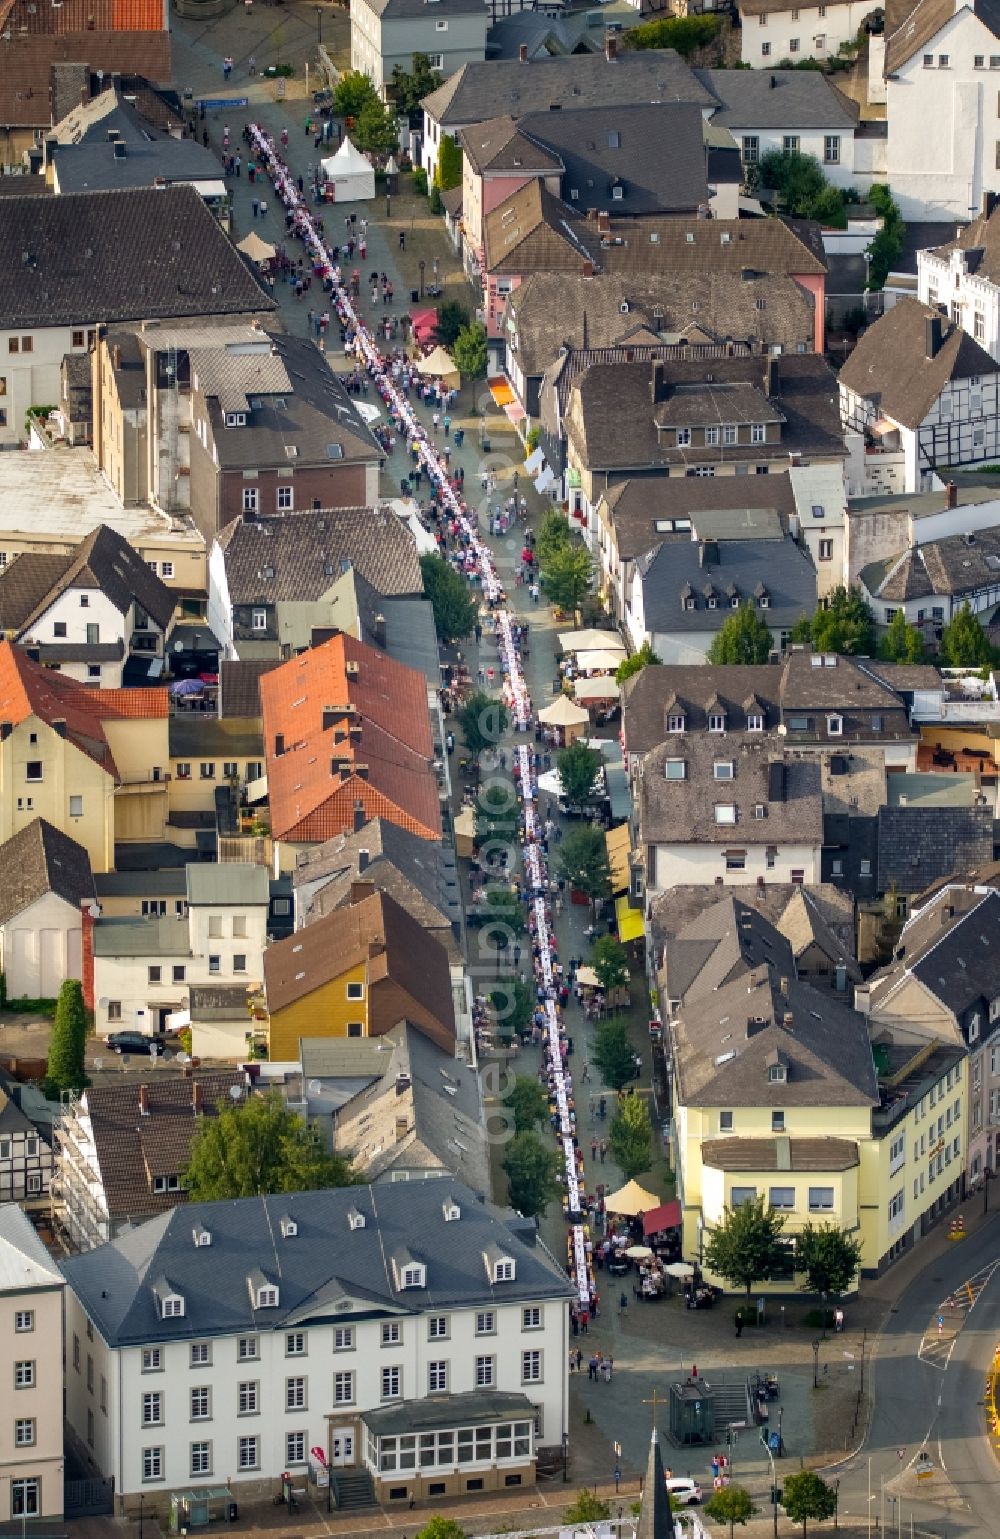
x=757 y=432
x=247 y=1348
x=723 y=769
x=486 y=1323
x=248 y=1397
x=343 y=1387
x=437 y=1377
x=343 y=1338
x=392 y=1333
x=201 y=1403
x=251 y=499
x=152 y=1360
x=531 y=1367
x=286 y=495
x=676 y=721
x=201 y=1354
x=437 y=1327
x=831 y=149
x=201 y=1459
x=24 y=1432
x=531 y=1317
x=24 y=1320
x=755 y=722
x=486 y=1369
x=725 y=812
x=152 y=1463
x=295 y=1448
x=716 y=721
x=820 y=1199
x=392 y=1382
x=152 y=1408
x=295 y=1393
x=248 y=1453
x=751 y=149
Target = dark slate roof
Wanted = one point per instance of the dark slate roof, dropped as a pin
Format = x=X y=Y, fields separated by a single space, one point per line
x=103 y=561
x=656 y=1521
x=39 y=859
x=650 y=694
x=501 y=86
x=608 y=146
x=831 y=914
x=739 y=569
x=919 y=845
x=306 y=553
x=683 y=811
x=724 y=1043
x=324 y=1266
x=980 y=242
x=891 y=369
x=239 y=686
x=412 y=10
x=680 y=244
x=498 y=144
x=637 y=506
x=90 y=164
x=171 y=882
x=959 y=563
x=724 y=942
x=952 y=945
x=391 y=857
x=25 y=582
x=779 y=98
x=124 y=255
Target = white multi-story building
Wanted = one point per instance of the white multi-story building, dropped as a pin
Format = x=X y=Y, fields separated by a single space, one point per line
x=963 y=277
x=406 y=1337
x=942 y=74
x=31 y=1431
x=779 y=30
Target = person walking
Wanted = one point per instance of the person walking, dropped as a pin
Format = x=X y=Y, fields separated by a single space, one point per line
x=252 y=65
x=402 y=240
x=739 y=1323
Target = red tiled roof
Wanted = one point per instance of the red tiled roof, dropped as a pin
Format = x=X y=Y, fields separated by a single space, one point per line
x=388 y=703
x=90 y=17
x=28 y=689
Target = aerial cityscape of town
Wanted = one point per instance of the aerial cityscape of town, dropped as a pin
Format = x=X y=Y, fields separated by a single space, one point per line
x=500 y=768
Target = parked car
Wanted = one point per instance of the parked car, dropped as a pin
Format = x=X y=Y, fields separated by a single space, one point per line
x=135 y=1042
x=686 y=1492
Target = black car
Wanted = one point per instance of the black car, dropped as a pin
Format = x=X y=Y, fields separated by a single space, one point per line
x=135 y=1042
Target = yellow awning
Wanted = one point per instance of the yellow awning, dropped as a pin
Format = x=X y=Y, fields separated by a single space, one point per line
x=619 y=849
x=630 y=925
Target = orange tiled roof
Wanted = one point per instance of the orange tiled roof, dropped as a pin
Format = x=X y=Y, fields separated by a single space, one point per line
x=28 y=689
x=384 y=724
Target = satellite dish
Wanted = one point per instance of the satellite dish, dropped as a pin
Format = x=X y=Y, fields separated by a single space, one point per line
x=103 y=1004
x=236 y=1092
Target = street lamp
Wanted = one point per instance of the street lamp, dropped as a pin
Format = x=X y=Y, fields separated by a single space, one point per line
x=319 y=24
x=565 y=1454
x=422 y=264
x=774 y=1479
x=816 y=1364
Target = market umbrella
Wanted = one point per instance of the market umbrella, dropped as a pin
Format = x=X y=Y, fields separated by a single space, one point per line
x=563 y=713
x=601 y=660
x=638 y=1253
x=440 y=363
x=588 y=978
x=187 y=687
x=603 y=687
x=682 y=1269
x=630 y=1200
x=590 y=641
x=367 y=411
x=255 y=248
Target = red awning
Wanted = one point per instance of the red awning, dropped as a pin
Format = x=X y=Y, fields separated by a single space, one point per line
x=424 y=322
x=666 y=1216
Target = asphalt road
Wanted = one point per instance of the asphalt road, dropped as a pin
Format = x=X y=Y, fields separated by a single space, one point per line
x=928 y=1393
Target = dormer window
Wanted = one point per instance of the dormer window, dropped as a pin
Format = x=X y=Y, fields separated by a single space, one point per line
x=503 y=1271
x=236 y=419
x=289 y=1228
x=267 y=1297
x=755 y=722
x=172 y=1307
x=201 y=1235
x=764 y=599
x=355 y=1219
x=414 y=1276
x=777 y=1074
x=716 y=721
x=683 y=437
x=835 y=726
x=689 y=602
x=734 y=601
x=676 y=721
x=452 y=1212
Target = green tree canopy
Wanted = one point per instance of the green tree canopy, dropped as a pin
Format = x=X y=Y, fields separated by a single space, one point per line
x=846 y=625
x=449 y=164
x=469 y=351
x=744 y=1247
x=901 y=643
x=806 y=1496
x=553 y=535
x=885 y=249
x=588 y=1508
x=578 y=768
x=482 y=720
x=731 y=1504
x=455 y=611
x=513 y=1006
x=613 y=1054
x=504 y=914
x=567 y=574
x=686 y=34
x=631 y=1136
x=583 y=860
x=452 y=318
x=635 y=664
x=527 y=1103
x=964 y=643
x=409 y=87
x=745 y=637
x=353 y=91
x=828 y=1256
x=531 y=1168
x=65 y=1069
x=376 y=130
x=259 y=1146
x=496 y=812
x=801 y=187
x=609 y=959
x=438 y=1527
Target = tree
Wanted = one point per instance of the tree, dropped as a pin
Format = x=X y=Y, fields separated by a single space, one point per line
x=901 y=643
x=609 y=959
x=578 y=768
x=448 y=172
x=353 y=91
x=801 y=187
x=743 y=1248
x=829 y=1257
x=806 y=1495
x=567 y=575
x=438 y=1527
x=409 y=87
x=744 y=638
x=469 y=351
x=496 y=813
x=613 y=1054
x=258 y=1146
x=482 y=720
x=504 y=914
x=631 y=1136
x=376 y=130
x=67 y=1046
x=731 y=1504
x=884 y=251
x=846 y=625
x=455 y=611
x=964 y=643
x=583 y=861
x=531 y=1168
x=686 y=34
x=588 y=1508
x=636 y=663
x=527 y=1103
x=553 y=535
x=452 y=318
x=513 y=1005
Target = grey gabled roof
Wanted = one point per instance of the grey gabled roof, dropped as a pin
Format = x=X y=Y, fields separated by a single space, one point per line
x=655 y=1518
x=736 y=567
x=724 y=942
x=324 y=1263
x=778 y=98
x=890 y=367
x=300 y=556
x=38 y=859
x=953 y=947
x=227 y=882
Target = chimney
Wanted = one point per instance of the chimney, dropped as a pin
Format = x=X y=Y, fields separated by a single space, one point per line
x=951 y=492
x=116 y=357
x=378 y=630
x=656 y=381
x=196 y=1106
x=143 y=1101
x=84 y=96
x=990 y=200
x=364 y=856
x=932 y=335
x=788 y=1019
x=776 y=781
x=362 y=890
x=522 y=53
x=5 y=731
x=87 y=914
x=784 y=988
x=603 y=222
x=611 y=48
x=771 y=378
x=588 y=269
x=360 y=816
x=59 y=726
